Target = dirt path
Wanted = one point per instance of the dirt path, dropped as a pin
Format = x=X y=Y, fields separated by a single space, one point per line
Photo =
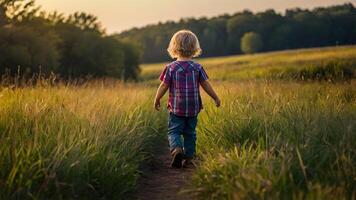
x=162 y=182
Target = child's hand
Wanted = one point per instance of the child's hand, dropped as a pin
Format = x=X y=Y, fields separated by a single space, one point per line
x=157 y=104
x=217 y=102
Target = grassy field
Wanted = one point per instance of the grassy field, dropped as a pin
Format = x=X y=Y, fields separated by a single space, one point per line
x=65 y=142
x=278 y=141
x=275 y=136
x=330 y=63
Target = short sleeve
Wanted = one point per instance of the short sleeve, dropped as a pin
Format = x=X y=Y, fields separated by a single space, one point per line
x=203 y=76
x=165 y=76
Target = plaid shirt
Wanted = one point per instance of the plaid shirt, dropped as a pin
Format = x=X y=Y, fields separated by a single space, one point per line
x=183 y=78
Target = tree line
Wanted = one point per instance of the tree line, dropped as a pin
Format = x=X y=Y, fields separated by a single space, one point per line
x=34 y=41
x=248 y=32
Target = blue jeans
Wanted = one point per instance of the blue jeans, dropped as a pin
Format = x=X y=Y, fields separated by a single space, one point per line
x=182 y=126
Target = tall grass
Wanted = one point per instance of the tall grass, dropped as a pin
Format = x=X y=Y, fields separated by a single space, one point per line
x=70 y=142
x=279 y=141
x=270 y=139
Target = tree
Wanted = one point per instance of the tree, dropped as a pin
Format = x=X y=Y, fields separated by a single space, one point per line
x=268 y=22
x=251 y=42
x=221 y=35
x=3 y=18
x=29 y=49
x=132 y=60
x=86 y=22
x=237 y=26
x=17 y=11
x=214 y=36
x=72 y=46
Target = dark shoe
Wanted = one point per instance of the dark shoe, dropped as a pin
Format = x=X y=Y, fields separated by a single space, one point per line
x=188 y=163
x=177 y=157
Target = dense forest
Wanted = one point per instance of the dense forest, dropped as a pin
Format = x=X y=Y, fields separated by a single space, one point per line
x=33 y=41
x=222 y=35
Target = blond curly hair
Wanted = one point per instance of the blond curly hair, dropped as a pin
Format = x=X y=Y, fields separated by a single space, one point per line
x=184 y=43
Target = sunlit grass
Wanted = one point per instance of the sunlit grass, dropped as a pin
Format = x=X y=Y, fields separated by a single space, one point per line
x=278 y=140
x=65 y=142
x=271 y=139
x=283 y=64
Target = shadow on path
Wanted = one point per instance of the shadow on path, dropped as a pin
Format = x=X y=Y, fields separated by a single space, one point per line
x=160 y=181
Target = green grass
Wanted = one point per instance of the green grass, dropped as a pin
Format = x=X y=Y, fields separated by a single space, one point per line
x=273 y=137
x=67 y=142
x=278 y=141
x=332 y=63
x=277 y=137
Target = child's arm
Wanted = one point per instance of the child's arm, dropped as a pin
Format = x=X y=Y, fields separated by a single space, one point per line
x=162 y=89
x=210 y=91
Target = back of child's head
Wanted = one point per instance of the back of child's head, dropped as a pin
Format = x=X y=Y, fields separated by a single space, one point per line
x=185 y=44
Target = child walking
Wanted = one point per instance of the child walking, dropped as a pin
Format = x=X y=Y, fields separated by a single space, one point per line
x=183 y=77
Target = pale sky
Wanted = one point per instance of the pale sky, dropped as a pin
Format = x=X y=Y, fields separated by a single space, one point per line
x=119 y=15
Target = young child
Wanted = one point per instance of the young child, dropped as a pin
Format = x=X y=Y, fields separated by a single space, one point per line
x=183 y=77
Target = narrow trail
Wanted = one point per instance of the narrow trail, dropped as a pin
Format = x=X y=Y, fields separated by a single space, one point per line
x=160 y=182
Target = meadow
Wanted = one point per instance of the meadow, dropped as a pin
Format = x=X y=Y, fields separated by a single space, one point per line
x=278 y=141
x=330 y=64
x=75 y=141
x=286 y=130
